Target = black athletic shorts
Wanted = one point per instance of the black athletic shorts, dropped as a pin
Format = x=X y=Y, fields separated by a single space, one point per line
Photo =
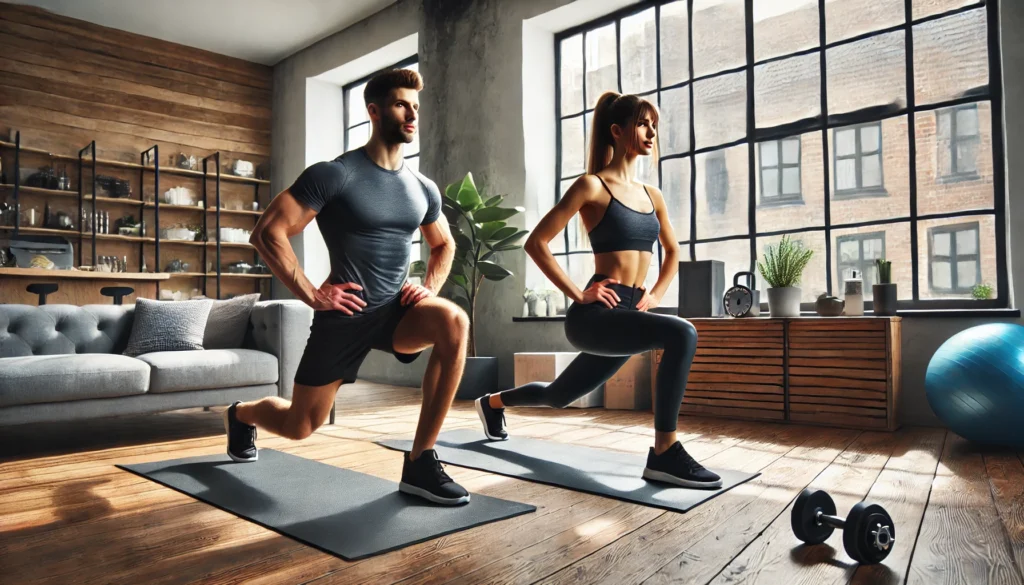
x=338 y=343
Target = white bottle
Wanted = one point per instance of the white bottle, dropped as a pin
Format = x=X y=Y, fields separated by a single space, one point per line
x=854 y=295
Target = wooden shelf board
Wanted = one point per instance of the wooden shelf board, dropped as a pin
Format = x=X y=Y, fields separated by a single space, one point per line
x=82 y=274
x=238 y=275
x=235 y=211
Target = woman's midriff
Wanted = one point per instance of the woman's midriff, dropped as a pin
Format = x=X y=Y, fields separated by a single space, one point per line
x=629 y=267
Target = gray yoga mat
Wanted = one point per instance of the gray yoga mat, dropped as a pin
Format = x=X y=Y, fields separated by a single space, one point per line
x=597 y=471
x=341 y=512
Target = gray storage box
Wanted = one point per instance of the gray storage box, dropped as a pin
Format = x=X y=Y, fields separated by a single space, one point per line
x=701 y=288
x=57 y=249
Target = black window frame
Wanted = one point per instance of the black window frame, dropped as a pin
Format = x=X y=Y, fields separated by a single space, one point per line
x=955 y=175
x=860 y=238
x=991 y=93
x=953 y=258
x=782 y=198
x=858 y=157
x=347 y=97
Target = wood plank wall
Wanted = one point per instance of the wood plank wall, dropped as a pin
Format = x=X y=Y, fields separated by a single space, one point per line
x=65 y=82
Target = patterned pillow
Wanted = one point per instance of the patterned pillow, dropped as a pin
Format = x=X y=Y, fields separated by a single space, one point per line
x=226 y=327
x=167 y=326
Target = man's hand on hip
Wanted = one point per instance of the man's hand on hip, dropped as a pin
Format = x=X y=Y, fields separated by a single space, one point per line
x=333 y=297
x=414 y=293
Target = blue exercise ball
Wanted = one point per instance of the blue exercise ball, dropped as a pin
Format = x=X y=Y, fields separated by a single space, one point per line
x=975 y=384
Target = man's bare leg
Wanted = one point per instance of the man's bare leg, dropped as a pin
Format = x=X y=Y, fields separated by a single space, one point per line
x=296 y=419
x=442 y=324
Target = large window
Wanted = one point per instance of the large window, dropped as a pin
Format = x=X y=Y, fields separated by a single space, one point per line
x=857 y=126
x=358 y=129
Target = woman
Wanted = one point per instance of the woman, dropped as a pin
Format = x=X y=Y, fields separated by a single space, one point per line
x=609 y=321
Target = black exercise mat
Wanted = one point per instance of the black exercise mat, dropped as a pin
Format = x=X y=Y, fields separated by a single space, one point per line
x=339 y=511
x=605 y=473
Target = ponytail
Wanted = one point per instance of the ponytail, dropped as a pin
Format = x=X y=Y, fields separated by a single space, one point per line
x=614 y=108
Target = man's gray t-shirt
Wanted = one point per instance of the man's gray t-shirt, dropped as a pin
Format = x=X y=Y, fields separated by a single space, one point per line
x=367 y=216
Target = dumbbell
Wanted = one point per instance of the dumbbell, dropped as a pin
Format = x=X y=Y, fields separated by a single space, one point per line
x=868 y=531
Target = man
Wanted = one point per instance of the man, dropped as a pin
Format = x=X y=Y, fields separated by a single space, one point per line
x=367 y=204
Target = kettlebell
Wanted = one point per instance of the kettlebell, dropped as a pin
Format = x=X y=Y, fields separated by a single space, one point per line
x=740 y=300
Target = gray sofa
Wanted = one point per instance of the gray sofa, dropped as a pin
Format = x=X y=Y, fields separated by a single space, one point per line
x=62 y=362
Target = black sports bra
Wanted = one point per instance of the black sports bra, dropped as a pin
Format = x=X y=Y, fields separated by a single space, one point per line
x=624 y=228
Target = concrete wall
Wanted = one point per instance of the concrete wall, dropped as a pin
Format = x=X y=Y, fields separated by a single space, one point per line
x=487 y=64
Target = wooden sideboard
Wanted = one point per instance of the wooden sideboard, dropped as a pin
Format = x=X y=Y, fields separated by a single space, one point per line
x=835 y=371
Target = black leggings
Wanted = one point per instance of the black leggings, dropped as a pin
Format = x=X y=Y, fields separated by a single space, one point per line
x=607 y=338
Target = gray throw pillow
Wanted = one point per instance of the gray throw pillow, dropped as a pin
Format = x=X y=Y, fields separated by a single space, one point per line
x=225 y=329
x=167 y=326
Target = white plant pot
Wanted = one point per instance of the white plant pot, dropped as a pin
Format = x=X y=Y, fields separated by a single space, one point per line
x=784 y=301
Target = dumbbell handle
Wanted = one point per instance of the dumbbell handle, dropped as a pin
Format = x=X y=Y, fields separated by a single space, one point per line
x=833 y=521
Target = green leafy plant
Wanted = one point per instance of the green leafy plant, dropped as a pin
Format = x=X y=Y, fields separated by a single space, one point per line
x=784 y=264
x=884 y=268
x=982 y=292
x=481 y=232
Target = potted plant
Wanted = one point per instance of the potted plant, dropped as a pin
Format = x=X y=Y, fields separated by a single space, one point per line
x=782 y=267
x=481 y=233
x=883 y=292
x=981 y=292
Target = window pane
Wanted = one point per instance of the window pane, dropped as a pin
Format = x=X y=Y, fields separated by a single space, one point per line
x=572 y=146
x=812 y=282
x=846 y=174
x=720 y=109
x=358 y=136
x=869 y=138
x=986 y=253
x=734 y=253
x=941 y=277
x=966 y=274
x=581 y=268
x=557 y=243
x=867 y=73
x=967 y=122
x=588 y=129
x=807 y=181
x=786 y=91
x=845 y=19
x=413 y=162
x=674 y=127
x=940 y=244
x=769 y=153
x=571 y=74
x=890 y=202
x=638 y=52
x=966 y=242
x=924 y=8
x=849 y=252
x=357 y=105
x=719 y=36
x=722 y=193
x=602 y=67
x=770 y=183
x=846 y=142
x=791 y=151
x=871 y=166
x=579 y=238
x=675 y=46
x=781 y=28
x=937 y=191
x=950 y=56
x=647 y=170
x=675 y=187
x=791 y=181
x=889 y=241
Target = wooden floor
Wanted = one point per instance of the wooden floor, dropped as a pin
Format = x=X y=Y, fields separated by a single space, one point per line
x=67 y=515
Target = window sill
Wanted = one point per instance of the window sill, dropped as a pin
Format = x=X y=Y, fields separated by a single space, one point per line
x=959 y=178
x=904 y=313
x=859 y=194
x=776 y=203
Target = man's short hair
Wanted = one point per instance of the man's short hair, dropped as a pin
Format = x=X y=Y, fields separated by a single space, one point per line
x=378 y=88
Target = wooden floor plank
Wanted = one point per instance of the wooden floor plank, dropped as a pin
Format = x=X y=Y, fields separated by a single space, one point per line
x=961 y=538
x=1006 y=477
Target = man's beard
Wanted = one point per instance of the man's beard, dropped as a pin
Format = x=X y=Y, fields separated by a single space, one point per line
x=391 y=131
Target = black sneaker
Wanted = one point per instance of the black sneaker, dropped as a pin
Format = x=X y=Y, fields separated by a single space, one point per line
x=493 y=419
x=241 y=437
x=677 y=467
x=426 y=478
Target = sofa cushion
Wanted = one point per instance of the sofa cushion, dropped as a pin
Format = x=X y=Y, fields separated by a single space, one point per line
x=228 y=322
x=175 y=371
x=62 y=329
x=59 y=378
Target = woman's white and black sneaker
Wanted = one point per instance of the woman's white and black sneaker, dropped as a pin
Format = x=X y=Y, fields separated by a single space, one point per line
x=241 y=437
x=493 y=419
x=426 y=478
x=676 y=466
